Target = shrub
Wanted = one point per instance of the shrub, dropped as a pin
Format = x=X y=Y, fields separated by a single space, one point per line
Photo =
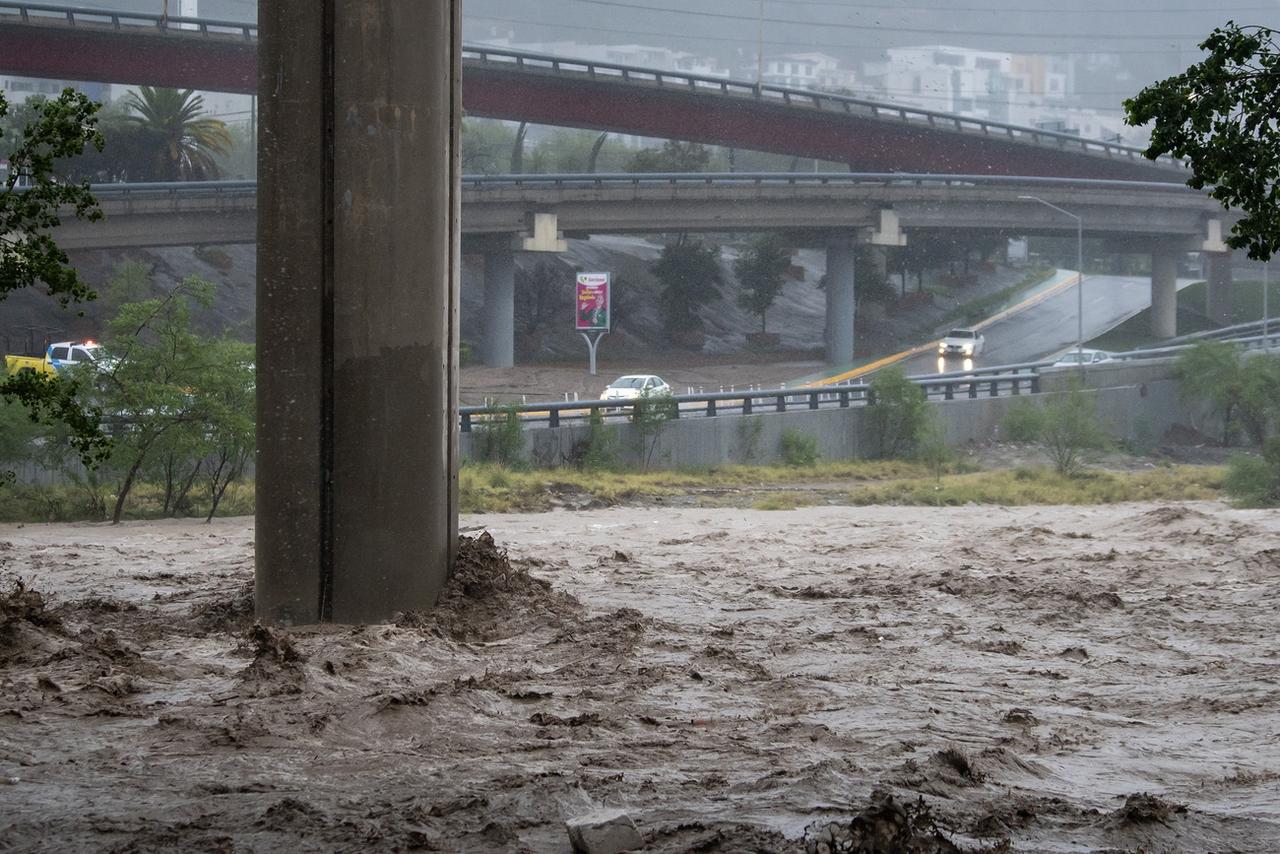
x=932 y=448
x=1071 y=433
x=1253 y=481
x=1024 y=423
x=600 y=449
x=502 y=438
x=1245 y=393
x=799 y=450
x=649 y=416
x=899 y=416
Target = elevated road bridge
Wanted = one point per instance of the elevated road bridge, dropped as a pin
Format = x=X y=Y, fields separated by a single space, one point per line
x=506 y=214
x=67 y=43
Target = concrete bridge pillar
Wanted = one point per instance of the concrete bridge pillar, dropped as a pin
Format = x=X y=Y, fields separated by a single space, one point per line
x=358 y=242
x=840 y=300
x=1220 y=286
x=499 y=308
x=1164 y=293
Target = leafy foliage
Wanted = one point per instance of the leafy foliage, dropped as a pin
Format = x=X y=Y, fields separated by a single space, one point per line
x=181 y=403
x=1245 y=393
x=185 y=144
x=1219 y=114
x=674 y=156
x=689 y=272
x=1253 y=481
x=899 y=416
x=502 y=438
x=761 y=270
x=1070 y=433
x=649 y=417
x=799 y=450
x=55 y=130
x=1024 y=423
x=543 y=296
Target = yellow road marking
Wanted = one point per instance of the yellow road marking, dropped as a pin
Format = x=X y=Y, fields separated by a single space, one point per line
x=915 y=351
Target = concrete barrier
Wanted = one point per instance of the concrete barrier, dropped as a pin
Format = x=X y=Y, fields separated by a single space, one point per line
x=1137 y=402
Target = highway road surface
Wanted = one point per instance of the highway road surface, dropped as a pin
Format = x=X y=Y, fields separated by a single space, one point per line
x=1047 y=328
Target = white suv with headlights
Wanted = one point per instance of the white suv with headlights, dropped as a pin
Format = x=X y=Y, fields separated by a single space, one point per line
x=962 y=342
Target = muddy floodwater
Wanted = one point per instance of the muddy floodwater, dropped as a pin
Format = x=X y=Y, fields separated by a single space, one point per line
x=1041 y=679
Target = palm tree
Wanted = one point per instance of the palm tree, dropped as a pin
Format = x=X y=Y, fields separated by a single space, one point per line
x=187 y=145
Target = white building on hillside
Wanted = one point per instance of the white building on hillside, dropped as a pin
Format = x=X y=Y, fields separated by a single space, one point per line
x=805 y=71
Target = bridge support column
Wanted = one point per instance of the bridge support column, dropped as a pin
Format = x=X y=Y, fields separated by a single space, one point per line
x=840 y=300
x=1164 y=294
x=1218 y=298
x=499 y=308
x=357 y=308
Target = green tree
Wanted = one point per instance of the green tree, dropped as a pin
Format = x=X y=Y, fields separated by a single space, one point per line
x=1254 y=481
x=31 y=197
x=486 y=146
x=899 y=415
x=761 y=270
x=690 y=276
x=649 y=417
x=1070 y=433
x=1219 y=115
x=156 y=388
x=1244 y=392
x=674 y=156
x=228 y=398
x=185 y=144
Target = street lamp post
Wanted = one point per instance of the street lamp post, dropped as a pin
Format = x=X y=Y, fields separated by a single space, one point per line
x=1080 y=273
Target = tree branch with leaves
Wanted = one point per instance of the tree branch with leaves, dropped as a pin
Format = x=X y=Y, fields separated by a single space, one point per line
x=1220 y=115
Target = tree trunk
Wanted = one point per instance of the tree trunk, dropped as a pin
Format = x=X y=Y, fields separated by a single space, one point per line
x=125 y=487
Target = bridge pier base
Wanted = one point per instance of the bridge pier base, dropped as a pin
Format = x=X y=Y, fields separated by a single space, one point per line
x=840 y=299
x=357 y=309
x=1164 y=294
x=499 y=308
x=1220 y=286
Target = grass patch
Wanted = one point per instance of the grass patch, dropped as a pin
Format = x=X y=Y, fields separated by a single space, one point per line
x=490 y=488
x=784 y=501
x=981 y=308
x=25 y=503
x=1021 y=486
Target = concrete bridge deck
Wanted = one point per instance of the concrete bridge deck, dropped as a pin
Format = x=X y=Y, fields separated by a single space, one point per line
x=41 y=40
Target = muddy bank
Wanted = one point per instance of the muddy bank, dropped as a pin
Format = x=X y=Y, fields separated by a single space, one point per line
x=1065 y=679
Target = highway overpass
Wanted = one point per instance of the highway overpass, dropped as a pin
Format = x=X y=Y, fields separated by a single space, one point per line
x=503 y=215
x=116 y=47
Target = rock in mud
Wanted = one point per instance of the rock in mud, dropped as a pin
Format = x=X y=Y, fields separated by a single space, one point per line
x=603 y=832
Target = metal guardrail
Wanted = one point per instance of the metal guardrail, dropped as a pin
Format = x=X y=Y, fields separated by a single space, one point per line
x=996 y=382
x=1226 y=332
x=604 y=180
x=697 y=83
x=1249 y=342
x=786 y=96
x=118 y=20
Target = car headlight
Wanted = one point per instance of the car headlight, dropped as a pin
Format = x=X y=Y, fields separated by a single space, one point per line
x=942 y=347
x=968 y=349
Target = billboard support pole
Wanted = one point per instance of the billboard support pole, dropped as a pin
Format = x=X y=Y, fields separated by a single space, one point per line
x=592 y=344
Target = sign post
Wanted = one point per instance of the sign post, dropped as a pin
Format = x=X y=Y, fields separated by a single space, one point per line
x=591 y=311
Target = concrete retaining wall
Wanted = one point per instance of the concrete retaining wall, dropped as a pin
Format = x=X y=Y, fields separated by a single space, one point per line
x=1139 y=404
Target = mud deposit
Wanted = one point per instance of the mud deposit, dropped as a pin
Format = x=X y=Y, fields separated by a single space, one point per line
x=829 y=679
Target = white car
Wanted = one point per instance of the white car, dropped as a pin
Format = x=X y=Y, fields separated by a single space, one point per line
x=1072 y=358
x=962 y=342
x=634 y=386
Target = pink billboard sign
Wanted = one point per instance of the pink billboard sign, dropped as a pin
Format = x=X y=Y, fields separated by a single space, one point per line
x=591 y=302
